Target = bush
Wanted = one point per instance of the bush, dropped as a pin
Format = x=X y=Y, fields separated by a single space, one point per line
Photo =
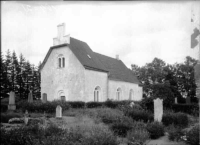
x=92 y=134
x=139 y=115
x=82 y=134
x=38 y=106
x=111 y=104
x=178 y=119
x=5 y=117
x=109 y=116
x=147 y=104
x=77 y=104
x=192 y=109
x=175 y=133
x=94 y=104
x=138 y=136
x=122 y=126
x=155 y=130
x=4 y=107
x=193 y=135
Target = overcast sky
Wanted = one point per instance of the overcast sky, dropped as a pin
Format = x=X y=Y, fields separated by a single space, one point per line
x=137 y=31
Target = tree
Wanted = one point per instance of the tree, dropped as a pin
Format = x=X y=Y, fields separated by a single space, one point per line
x=14 y=72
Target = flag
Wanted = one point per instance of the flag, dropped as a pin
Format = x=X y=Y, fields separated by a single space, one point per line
x=195 y=23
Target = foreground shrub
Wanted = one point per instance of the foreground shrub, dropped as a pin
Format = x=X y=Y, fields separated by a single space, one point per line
x=93 y=134
x=175 y=133
x=139 y=115
x=193 y=135
x=81 y=134
x=109 y=116
x=178 y=119
x=122 y=126
x=155 y=130
x=5 y=117
x=138 y=135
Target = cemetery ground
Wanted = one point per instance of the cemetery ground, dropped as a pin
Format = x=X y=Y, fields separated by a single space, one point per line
x=96 y=123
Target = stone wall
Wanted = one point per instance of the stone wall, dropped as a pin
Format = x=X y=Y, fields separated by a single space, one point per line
x=68 y=81
x=94 y=79
x=125 y=88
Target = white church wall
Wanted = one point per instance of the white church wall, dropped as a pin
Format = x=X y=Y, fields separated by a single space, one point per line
x=113 y=85
x=68 y=81
x=92 y=80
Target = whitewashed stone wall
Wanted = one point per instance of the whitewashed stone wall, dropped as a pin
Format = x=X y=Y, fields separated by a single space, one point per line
x=125 y=88
x=92 y=80
x=68 y=81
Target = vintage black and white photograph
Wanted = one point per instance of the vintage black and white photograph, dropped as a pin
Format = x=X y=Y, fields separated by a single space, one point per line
x=100 y=72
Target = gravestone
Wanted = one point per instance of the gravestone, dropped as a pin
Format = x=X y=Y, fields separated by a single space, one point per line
x=158 y=109
x=11 y=105
x=188 y=100
x=44 y=97
x=176 y=102
x=26 y=117
x=30 y=97
x=58 y=111
x=132 y=104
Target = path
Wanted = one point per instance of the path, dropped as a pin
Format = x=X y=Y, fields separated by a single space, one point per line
x=163 y=141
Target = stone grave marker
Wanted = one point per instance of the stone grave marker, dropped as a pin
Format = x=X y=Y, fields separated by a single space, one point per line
x=30 y=97
x=176 y=102
x=58 y=111
x=26 y=117
x=12 y=105
x=44 y=97
x=158 y=109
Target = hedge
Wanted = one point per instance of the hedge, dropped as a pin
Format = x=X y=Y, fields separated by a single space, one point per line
x=186 y=108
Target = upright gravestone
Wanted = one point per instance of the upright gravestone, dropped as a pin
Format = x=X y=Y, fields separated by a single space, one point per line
x=26 y=117
x=44 y=97
x=158 y=109
x=30 y=97
x=188 y=100
x=58 y=111
x=176 y=102
x=11 y=105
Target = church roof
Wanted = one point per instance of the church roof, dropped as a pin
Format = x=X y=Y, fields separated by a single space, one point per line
x=94 y=61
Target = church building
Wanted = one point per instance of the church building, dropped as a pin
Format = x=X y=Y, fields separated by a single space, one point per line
x=73 y=72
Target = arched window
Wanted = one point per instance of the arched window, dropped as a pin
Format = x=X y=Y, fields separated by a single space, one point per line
x=131 y=94
x=61 y=61
x=97 y=94
x=118 y=94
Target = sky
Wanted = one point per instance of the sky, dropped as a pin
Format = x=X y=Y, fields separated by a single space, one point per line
x=137 y=31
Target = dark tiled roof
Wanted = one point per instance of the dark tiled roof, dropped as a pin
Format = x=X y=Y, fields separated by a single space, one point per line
x=117 y=69
x=95 y=61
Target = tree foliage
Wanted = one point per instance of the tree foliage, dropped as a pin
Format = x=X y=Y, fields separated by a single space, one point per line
x=19 y=76
x=161 y=80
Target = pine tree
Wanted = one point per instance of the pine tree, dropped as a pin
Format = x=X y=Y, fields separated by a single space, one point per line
x=20 y=79
x=8 y=61
x=3 y=78
x=14 y=72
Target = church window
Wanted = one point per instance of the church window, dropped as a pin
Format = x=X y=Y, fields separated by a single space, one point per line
x=118 y=94
x=97 y=94
x=61 y=61
x=131 y=94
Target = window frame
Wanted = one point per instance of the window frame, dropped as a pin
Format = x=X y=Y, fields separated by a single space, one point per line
x=61 y=61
